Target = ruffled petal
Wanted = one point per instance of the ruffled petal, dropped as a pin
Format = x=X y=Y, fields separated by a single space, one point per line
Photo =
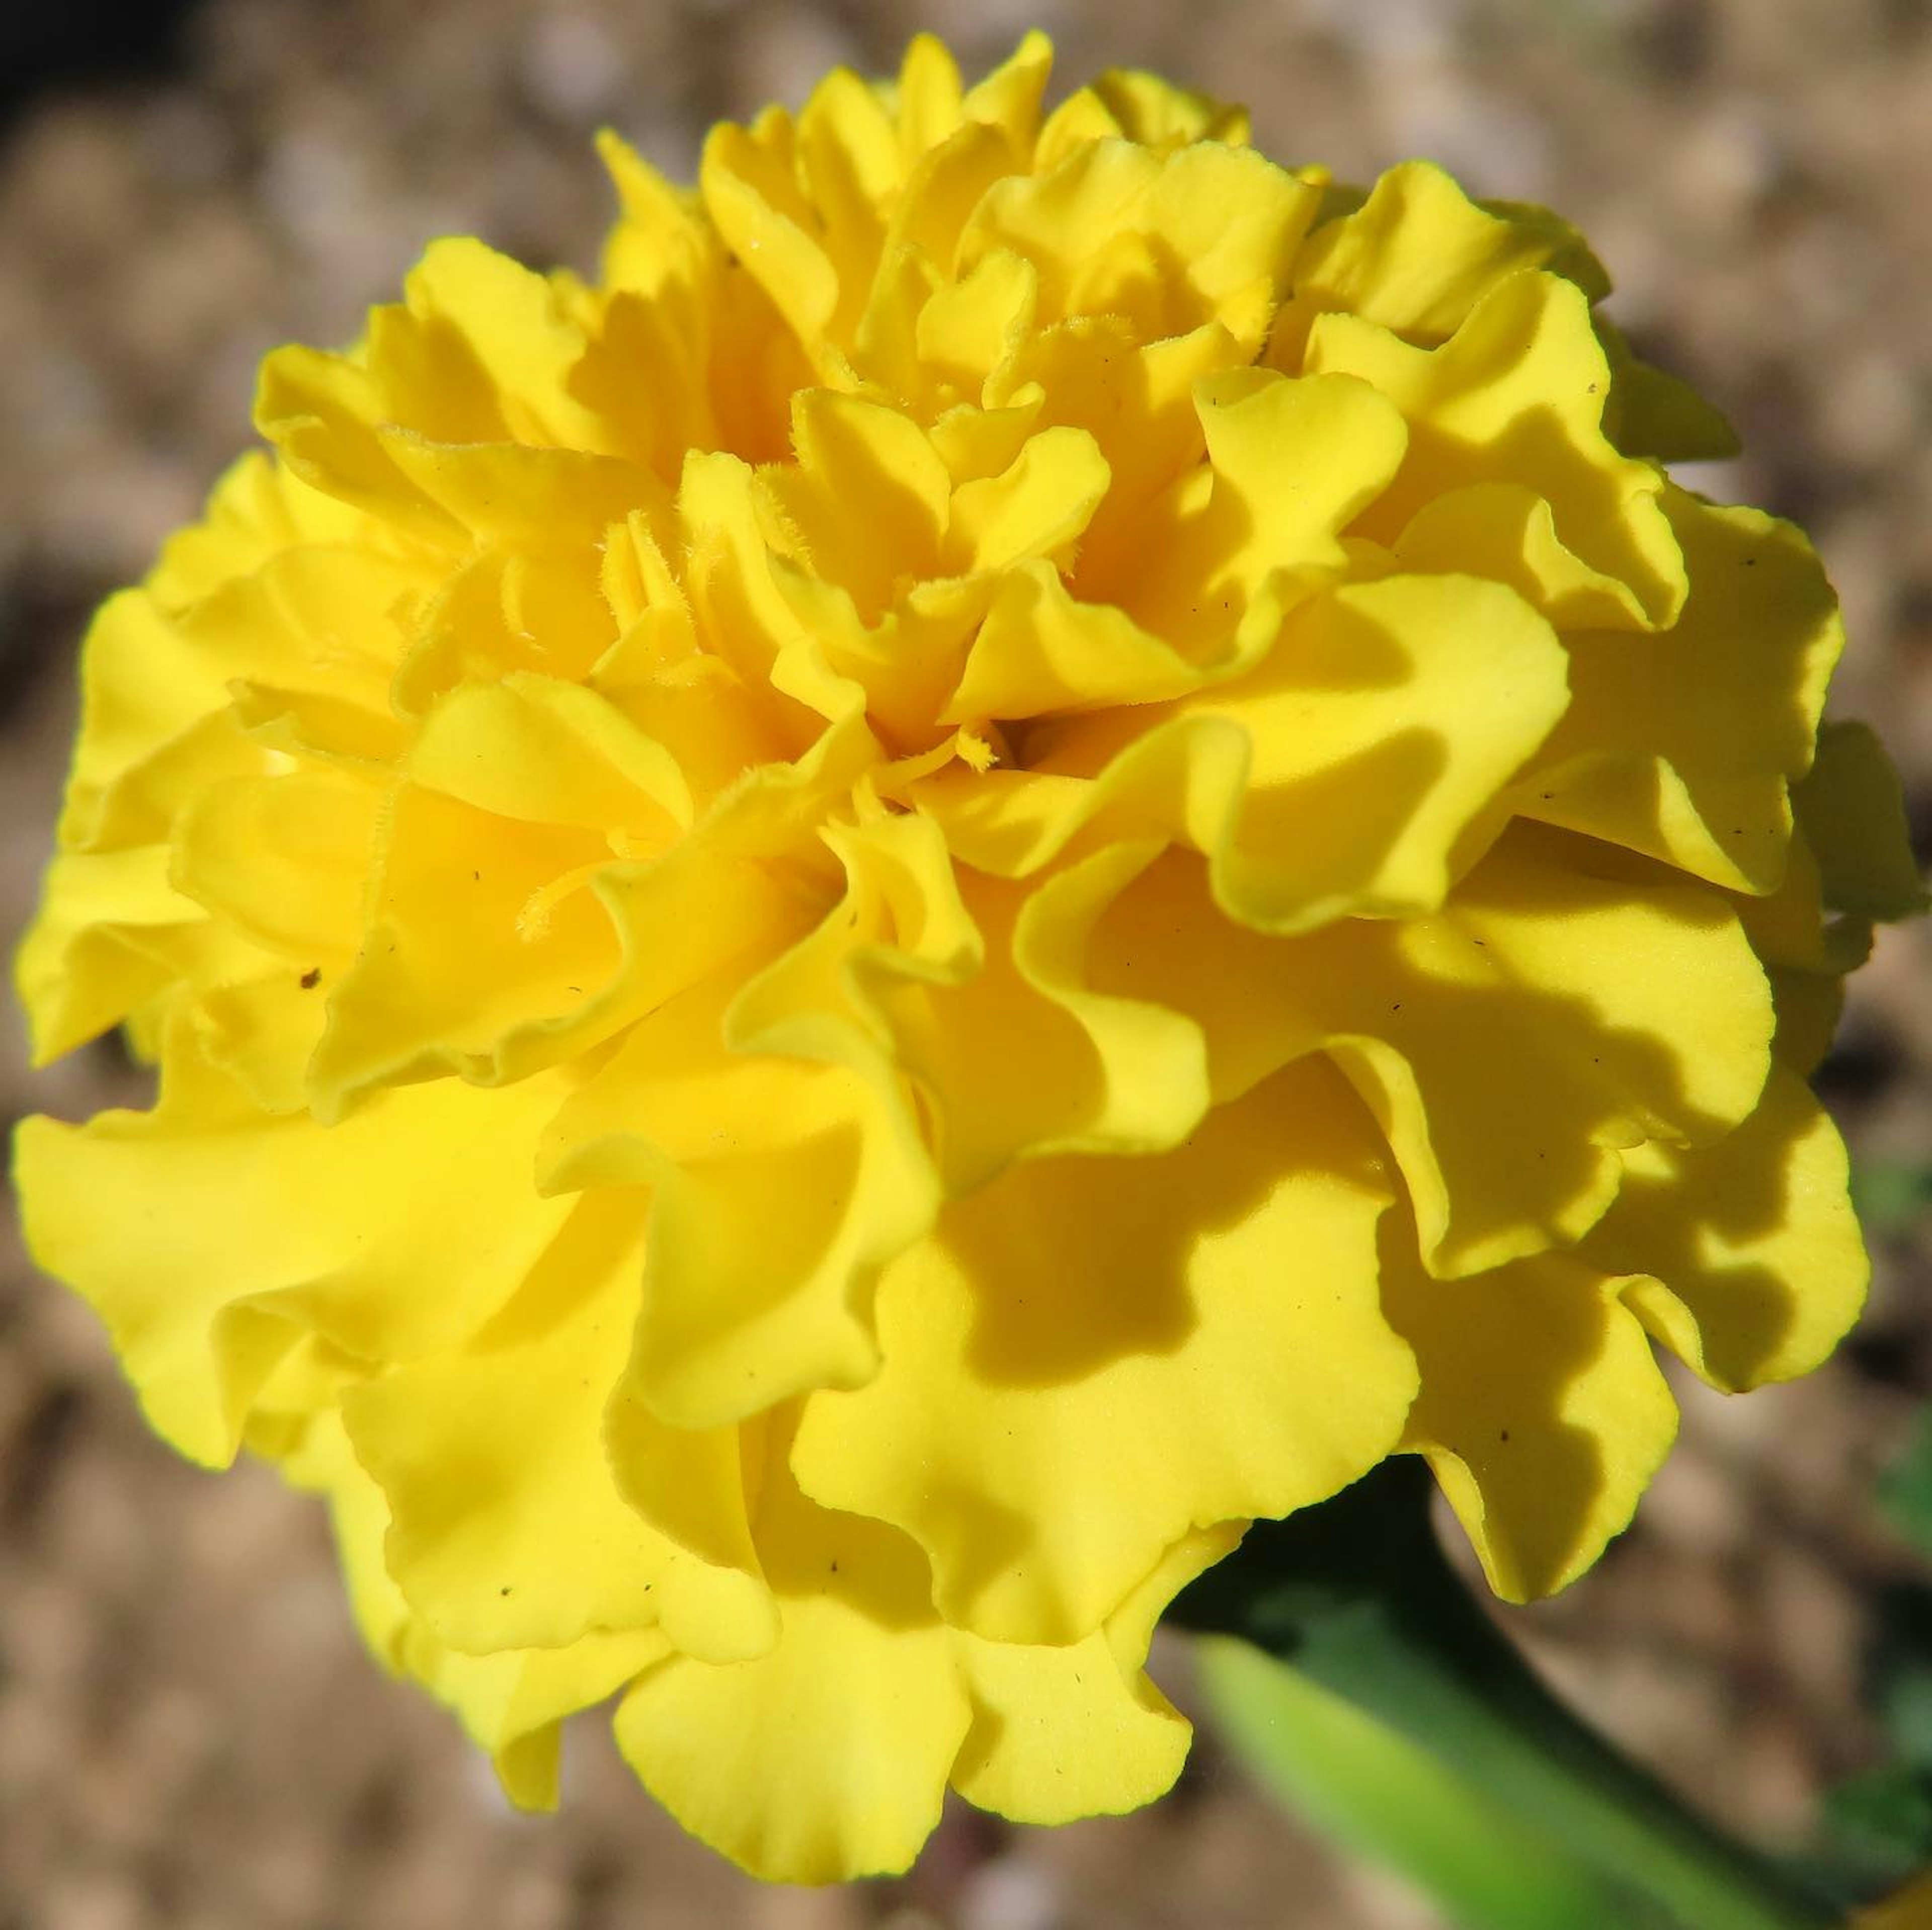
x=1059 y=1734
x=780 y=1187
x=828 y=1758
x=1509 y=1046
x=1416 y=256
x=1682 y=745
x=395 y=1233
x=1852 y=807
x=1339 y=724
x=512 y=1703
x=1758 y=1267
x=1090 y=1358
x=1517 y=395
x=509 y=1531
x=1541 y=1410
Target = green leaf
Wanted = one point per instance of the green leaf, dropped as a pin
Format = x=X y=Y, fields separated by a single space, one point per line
x=1356 y=1596
x=1883 y=1816
x=1369 y=1790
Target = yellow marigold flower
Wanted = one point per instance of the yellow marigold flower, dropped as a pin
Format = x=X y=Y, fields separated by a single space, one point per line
x=1036 y=837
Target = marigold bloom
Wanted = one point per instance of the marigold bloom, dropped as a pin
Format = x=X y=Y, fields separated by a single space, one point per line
x=1036 y=837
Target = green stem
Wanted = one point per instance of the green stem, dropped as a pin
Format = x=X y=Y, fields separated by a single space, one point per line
x=1357 y=1596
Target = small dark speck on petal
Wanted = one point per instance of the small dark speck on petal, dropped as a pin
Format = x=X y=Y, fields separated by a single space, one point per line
x=502 y=1591
x=1504 y=1436
x=311 y=978
x=478 y=875
x=835 y=1568
x=1751 y=562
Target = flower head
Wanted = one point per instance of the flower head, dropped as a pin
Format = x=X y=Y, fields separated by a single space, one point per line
x=1036 y=837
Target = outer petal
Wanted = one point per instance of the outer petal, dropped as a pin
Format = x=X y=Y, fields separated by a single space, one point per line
x=1516 y=395
x=513 y=1703
x=1508 y=1044
x=828 y=1758
x=509 y=1530
x=111 y=933
x=1758 y=1269
x=1090 y=1358
x=1853 y=812
x=1544 y=1020
x=1416 y=257
x=1059 y=1733
x=1541 y=1411
x=1681 y=744
x=284 y=859
x=393 y=1234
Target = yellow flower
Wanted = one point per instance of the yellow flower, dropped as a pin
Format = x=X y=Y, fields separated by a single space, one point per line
x=1037 y=837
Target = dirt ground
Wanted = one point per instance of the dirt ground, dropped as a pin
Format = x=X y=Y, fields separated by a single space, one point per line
x=189 y=1733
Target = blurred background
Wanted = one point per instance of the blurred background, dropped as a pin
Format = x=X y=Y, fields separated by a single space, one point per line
x=189 y=1732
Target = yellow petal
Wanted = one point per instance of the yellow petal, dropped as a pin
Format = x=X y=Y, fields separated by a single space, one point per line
x=1852 y=809
x=1652 y=413
x=1012 y=1049
x=1507 y=533
x=1266 y=510
x=285 y=858
x=827 y=1758
x=509 y=1531
x=143 y=685
x=256 y=511
x=1009 y=97
x=509 y=491
x=1059 y=1734
x=1758 y=1269
x=1089 y=1358
x=1145 y=108
x=477 y=926
x=1509 y=1044
x=482 y=351
x=1541 y=1410
x=109 y=935
x=511 y=1703
x=322 y=412
x=781 y=1186
x=395 y=1233
x=1342 y=723
x=1036 y=509
x=929 y=96
x=751 y=194
x=1681 y=744
x=546 y=751
x=1039 y=651
x=1545 y=1021
x=1416 y=257
x=1516 y=395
